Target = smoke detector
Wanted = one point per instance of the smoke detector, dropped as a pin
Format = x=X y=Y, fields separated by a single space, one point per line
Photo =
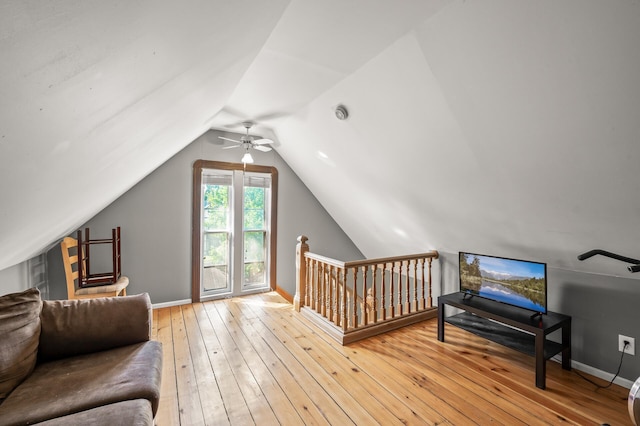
x=341 y=112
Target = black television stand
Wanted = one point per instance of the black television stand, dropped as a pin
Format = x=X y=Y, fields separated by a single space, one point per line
x=510 y=326
x=536 y=315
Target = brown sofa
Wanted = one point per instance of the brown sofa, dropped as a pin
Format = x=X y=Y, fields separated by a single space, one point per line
x=78 y=362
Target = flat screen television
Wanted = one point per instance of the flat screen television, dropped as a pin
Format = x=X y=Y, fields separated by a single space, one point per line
x=520 y=283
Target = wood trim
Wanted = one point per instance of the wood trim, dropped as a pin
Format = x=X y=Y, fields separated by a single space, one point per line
x=196 y=242
x=366 y=331
x=368 y=262
x=274 y=227
x=322 y=323
x=286 y=296
x=389 y=325
x=196 y=230
x=324 y=259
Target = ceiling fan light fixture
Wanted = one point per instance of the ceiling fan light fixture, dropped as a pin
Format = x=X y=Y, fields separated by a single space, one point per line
x=247 y=142
x=247 y=158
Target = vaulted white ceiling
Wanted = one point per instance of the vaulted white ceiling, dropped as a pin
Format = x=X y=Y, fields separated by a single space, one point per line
x=502 y=127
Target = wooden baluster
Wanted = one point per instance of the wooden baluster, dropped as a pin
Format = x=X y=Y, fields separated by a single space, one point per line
x=316 y=288
x=355 y=298
x=327 y=295
x=400 y=310
x=365 y=311
x=325 y=287
x=316 y=281
x=308 y=294
x=374 y=298
x=383 y=302
x=407 y=295
x=343 y=308
x=327 y=291
x=336 y=295
x=408 y=289
x=422 y=299
x=316 y=284
x=430 y=302
x=340 y=290
x=328 y=270
x=349 y=306
x=309 y=279
x=334 y=290
x=312 y=284
x=329 y=280
x=415 y=285
x=320 y=306
x=391 y=289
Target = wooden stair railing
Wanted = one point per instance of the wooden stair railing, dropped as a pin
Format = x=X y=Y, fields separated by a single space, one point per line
x=358 y=299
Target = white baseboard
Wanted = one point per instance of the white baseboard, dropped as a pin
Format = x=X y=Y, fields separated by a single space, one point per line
x=170 y=304
x=597 y=373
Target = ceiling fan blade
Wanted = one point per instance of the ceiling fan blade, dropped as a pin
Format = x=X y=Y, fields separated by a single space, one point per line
x=230 y=140
x=262 y=148
x=231 y=147
x=263 y=141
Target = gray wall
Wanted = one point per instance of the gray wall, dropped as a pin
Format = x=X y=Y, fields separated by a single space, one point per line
x=14 y=279
x=155 y=220
x=28 y=274
x=601 y=307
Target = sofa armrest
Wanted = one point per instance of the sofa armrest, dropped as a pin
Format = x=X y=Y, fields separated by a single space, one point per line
x=74 y=327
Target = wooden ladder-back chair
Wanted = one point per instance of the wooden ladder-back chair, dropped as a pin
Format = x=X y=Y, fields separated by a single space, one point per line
x=81 y=283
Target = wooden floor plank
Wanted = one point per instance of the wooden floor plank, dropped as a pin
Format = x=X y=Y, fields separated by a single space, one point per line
x=168 y=408
x=516 y=372
x=463 y=379
x=291 y=377
x=188 y=392
x=325 y=379
x=264 y=363
x=417 y=398
x=279 y=404
x=385 y=407
x=214 y=410
x=221 y=355
x=250 y=401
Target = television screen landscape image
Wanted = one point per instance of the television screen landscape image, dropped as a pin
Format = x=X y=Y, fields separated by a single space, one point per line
x=516 y=282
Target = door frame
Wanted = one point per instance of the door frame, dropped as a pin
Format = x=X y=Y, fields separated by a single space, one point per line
x=196 y=229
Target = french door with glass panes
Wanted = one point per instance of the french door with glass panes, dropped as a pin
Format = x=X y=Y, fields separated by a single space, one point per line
x=235 y=235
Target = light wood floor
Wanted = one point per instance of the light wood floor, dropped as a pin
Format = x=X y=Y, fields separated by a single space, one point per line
x=254 y=360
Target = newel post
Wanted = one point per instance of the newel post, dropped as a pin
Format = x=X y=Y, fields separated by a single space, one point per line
x=301 y=273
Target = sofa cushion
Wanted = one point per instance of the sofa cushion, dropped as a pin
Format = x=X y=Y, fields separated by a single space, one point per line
x=136 y=412
x=20 y=331
x=74 y=327
x=71 y=385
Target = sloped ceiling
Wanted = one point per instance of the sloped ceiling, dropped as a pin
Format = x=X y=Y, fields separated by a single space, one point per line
x=501 y=127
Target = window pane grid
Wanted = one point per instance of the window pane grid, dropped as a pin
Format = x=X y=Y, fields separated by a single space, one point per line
x=255 y=234
x=216 y=208
x=235 y=202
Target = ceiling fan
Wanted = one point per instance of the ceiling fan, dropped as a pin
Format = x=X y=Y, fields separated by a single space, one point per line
x=247 y=142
